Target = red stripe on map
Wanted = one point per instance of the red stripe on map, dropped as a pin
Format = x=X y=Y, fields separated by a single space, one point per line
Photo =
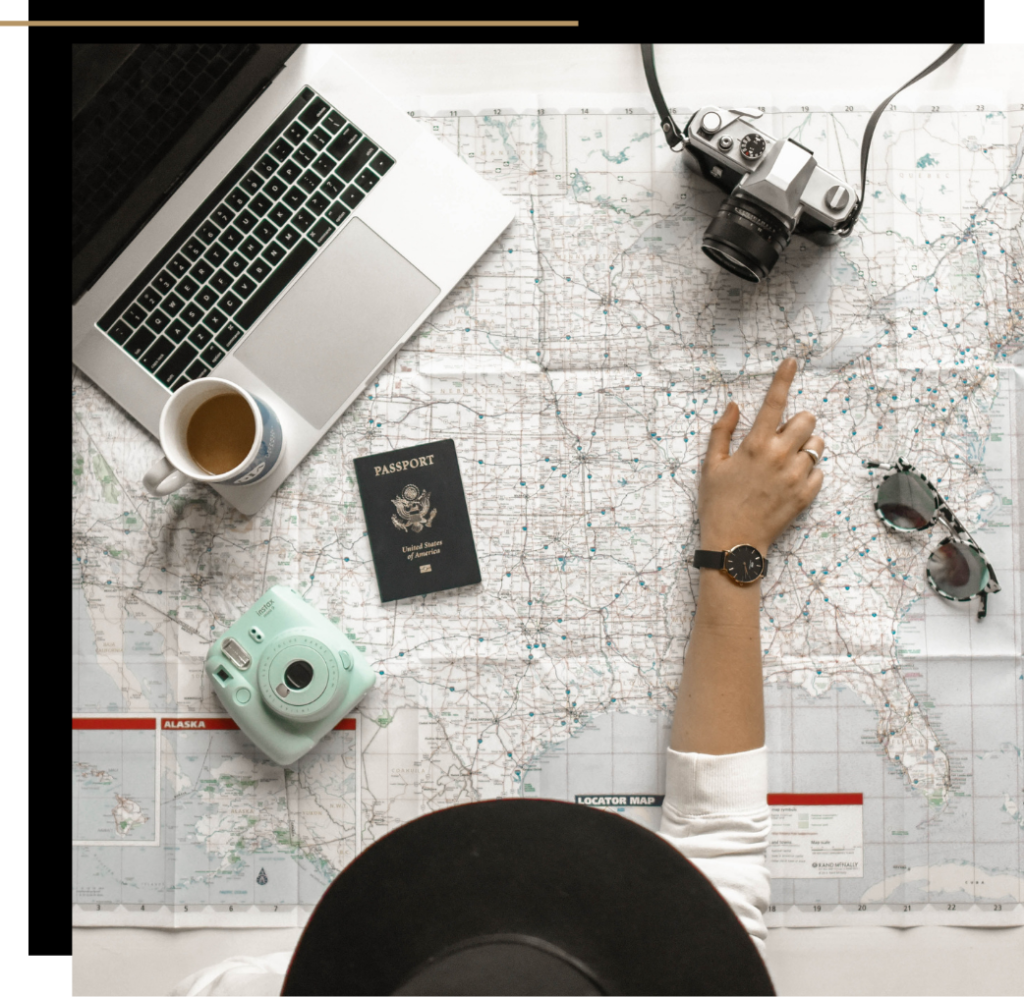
x=207 y=723
x=113 y=723
x=349 y=723
x=815 y=799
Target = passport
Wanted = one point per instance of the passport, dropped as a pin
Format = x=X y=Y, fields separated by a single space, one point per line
x=417 y=520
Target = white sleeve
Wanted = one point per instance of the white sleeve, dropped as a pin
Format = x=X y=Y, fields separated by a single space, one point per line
x=254 y=976
x=716 y=813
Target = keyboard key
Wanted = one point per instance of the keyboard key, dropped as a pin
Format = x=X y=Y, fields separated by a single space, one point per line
x=197 y=370
x=309 y=181
x=382 y=162
x=251 y=247
x=273 y=253
x=223 y=215
x=201 y=271
x=149 y=299
x=238 y=199
x=279 y=214
x=200 y=336
x=317 y=203
x=230 y=237
x=367 y=180
x=134 y=316
x=353 y=195
x=120 y=333
x=212 y=355
x=295 y=198
x=221 y=280
x=172 y=304
x=193 y=249
x=177 y=330
x=245 y=221
x=244 y=286
x=208 y=232
x=332 y=187
x=303 y=155
x=157 y=321
x=139 y=343
x=191 y=315
x=276 y=283
x=260 y=204
x=229 y=335
x=324 y=164
x=342 y=145
x=157 y=353
x=318 y=138
x=236 y=264
x=252 y=182
x=216 y=254
x=296 y=133
x=320 y=231
x=289 y=171
x=317 y=108
x=281 y=150
x=187 y=287
x=258 y=270
x=333 y=122
x=274 y=188
x=267 y=166
x=214 y=319
x=230 y=303
x=163 y=282
x=207 y=297
x=265 y=231
x=303 y=220
x=175 y=366
x=358 y=159
x=337 y=212
x=178 y=265
x=287 y=237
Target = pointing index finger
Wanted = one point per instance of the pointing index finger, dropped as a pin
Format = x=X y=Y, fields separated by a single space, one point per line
x=774 y=404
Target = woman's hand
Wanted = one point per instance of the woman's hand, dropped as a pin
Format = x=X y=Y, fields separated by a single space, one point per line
x=753 y=495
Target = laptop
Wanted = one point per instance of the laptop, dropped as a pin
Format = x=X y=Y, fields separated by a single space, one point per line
x=259 y=213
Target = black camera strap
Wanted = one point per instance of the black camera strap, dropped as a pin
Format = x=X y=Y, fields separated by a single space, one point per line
x=675 y=138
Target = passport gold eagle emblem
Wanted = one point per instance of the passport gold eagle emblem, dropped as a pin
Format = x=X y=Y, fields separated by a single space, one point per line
x=413 y=505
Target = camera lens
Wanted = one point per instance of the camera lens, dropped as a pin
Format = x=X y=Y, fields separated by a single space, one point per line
x=298 y=674
x=746 y=238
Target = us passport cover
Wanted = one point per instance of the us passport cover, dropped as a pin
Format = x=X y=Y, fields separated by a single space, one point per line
x=417 y=520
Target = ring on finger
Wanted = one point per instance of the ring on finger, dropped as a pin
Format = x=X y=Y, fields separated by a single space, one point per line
x=815 y=456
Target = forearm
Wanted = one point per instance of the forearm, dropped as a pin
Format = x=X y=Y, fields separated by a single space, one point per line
x=720 y=704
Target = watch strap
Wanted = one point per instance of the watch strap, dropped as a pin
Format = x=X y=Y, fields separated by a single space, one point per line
x=709 y=559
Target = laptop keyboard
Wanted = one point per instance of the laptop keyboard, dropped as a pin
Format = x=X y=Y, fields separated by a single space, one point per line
x=274 y=211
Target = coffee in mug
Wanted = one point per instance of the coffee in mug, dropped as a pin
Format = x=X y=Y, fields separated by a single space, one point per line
x=214 y=430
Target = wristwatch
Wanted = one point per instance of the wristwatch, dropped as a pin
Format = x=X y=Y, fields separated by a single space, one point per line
x=743 y=563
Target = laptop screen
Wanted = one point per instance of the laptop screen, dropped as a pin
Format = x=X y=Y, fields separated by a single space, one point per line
x=134 y=109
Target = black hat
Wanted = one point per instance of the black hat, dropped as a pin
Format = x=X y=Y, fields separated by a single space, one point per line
x=523 y=897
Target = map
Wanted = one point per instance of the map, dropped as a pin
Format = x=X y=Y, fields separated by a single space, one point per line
x=579 y=367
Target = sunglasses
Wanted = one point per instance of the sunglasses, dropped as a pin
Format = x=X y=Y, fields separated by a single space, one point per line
x=957 y=569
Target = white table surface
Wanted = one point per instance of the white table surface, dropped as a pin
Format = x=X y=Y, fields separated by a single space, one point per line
x=843 y=960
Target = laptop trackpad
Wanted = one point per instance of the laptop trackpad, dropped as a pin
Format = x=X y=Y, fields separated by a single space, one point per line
x=335 y=325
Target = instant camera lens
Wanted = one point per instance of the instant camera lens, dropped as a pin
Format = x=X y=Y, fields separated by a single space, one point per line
x=905 y=502
x=746 y=238
x=298 y=674
x=957 y=570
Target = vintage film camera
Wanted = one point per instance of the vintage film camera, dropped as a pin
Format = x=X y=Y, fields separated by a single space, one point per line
x=286 y=675
x=775 y=186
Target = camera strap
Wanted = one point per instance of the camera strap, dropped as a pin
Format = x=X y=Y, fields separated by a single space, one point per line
x=675 y=138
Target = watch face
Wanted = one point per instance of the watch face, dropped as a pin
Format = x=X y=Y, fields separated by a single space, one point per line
x=744 y=563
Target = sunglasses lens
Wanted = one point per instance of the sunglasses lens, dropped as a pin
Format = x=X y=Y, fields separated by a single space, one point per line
x=957 y=570
x=906 y=502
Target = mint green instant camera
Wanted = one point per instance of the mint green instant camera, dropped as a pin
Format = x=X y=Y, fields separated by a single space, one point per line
x=286 y=675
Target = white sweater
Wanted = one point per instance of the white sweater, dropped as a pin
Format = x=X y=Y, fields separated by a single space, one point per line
x=715 y=812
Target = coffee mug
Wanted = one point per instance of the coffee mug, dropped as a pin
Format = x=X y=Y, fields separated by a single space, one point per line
x=214 y=431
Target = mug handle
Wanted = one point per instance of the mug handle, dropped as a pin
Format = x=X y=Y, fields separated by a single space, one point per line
x=162 y=478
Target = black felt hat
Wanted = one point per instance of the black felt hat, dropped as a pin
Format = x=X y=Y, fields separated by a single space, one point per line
x=523 y=897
